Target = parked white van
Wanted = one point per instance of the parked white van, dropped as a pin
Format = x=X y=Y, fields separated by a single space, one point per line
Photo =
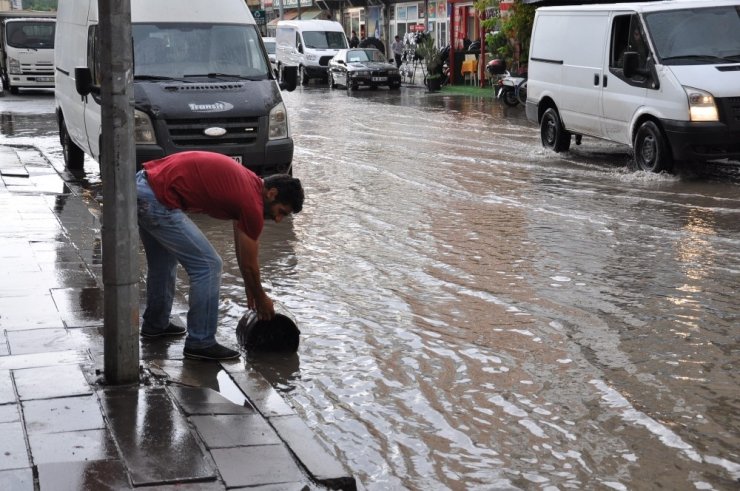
x=202 y=81
x=663 y=77
x=309 y=45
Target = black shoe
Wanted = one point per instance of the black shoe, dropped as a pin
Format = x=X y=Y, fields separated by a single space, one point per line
x=215 y=352
x=170 y=330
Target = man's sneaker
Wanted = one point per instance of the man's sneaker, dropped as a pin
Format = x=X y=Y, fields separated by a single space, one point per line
x=170 y=330
x=215 y=352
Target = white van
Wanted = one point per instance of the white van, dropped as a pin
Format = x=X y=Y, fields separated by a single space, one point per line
x=309 y=45
x=202 y=81
x=663 y=77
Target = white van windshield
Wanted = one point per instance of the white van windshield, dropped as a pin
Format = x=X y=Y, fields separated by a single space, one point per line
x=325 y=40
x=182 y=50
x=700 y=36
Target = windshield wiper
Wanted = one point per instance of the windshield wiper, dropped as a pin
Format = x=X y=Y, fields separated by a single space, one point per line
x=216 y=75
x=695 y=57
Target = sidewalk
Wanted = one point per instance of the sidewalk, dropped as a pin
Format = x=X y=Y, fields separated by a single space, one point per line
x=188 y=425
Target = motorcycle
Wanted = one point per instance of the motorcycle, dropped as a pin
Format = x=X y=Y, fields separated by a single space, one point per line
x=509 y=87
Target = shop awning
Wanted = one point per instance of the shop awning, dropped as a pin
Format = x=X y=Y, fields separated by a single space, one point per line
x=293 y=15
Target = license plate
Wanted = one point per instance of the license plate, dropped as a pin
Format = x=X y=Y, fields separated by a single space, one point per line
x=379 y=79
x=44 y=79
x=238 y=158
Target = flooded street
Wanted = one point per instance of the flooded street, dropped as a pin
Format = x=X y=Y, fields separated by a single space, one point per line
x=479 y=313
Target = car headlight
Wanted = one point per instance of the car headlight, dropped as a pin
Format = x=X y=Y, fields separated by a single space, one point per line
x=143 y=129
x=14 y=66
x=278 y=123
x=701 y=105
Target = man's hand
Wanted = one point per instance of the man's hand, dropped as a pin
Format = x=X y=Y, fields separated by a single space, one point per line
x=265 y=308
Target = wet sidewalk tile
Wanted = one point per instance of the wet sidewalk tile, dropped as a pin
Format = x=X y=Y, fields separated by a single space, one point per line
x=96 y=475
x=254 y=466
x=50 y=382
x=155 y=440
x=17 y=479
x=235 y=430
x=7 y=394
x=13 y=453
x=71 y=446
x=63 y=414
x=49 y=340
x=197 y=400
x=9 y=414
x=58 y=358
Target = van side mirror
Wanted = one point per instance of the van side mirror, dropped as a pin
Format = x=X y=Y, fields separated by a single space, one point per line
x=84 y=81
x=288 y=78
x=300 y=48
x=630 y=63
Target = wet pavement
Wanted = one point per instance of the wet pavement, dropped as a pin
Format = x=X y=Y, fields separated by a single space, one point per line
x=476 y=312
x=189 y=425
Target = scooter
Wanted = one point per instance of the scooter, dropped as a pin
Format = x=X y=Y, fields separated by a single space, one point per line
x=507 y=87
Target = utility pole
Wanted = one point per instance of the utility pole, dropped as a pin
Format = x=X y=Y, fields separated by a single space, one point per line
x=118 y=166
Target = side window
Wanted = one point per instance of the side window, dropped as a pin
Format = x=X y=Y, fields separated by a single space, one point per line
x=93 y=59
x=627 y=35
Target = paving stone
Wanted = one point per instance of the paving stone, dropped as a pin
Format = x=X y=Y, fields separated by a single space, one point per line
x=321 y=464
x=9 y=413
x=4 y=350
x=95 y=475
x=187 y=486
x=229 y=430
x=261 y=394
x=285 y=486
x=154 y=438
x=7 y=394
x=47 y=340
x=63 y=414
x=13 y=453
x=18 y=171
x=188 y=372
x=17 y=479
x=253 y=466
x=196 y=400
x=71 y=446
x=50 y=382
x=40 y=360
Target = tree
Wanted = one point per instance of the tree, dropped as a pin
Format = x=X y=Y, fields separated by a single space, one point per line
x=508 y=36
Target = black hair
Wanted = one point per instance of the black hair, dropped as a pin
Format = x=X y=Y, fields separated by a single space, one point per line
x=289 y=190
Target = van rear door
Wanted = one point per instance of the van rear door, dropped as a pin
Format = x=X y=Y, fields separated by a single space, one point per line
x=622 y=97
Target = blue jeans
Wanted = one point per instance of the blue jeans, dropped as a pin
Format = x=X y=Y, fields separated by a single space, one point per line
x=169 y=237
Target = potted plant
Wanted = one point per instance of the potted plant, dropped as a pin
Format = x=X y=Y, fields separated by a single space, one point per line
x=432 y=59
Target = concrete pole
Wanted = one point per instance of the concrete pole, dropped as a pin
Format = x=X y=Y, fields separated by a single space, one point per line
x=280 y=9
x=118 y=165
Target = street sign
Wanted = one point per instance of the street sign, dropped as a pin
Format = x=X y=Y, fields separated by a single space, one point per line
x=259 y=16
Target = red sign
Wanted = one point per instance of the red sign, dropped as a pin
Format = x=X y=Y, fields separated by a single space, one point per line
x=419 y=27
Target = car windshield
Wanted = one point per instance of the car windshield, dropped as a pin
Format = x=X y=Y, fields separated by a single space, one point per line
x=325 y=40
x=270 y=47
x=358 y=55
x=174 y=50
x=707 y=35
x=30 y=35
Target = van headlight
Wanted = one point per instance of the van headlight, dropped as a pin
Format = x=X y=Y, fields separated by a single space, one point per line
x=701 y=105
x=278 y=123
x=14 y=66
x=143 y=129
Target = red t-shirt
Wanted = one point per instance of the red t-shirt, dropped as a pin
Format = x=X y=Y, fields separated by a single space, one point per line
x=210 y=183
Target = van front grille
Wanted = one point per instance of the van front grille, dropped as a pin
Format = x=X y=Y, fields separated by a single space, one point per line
x=190 y=132
x=730 y=109
x=201 y=87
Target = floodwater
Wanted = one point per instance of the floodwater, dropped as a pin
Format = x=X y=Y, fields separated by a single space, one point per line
x=479 y=313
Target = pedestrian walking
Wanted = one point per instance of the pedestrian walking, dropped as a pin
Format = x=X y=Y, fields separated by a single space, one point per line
x=354 y=41
x=397 y=48
x=218 y=186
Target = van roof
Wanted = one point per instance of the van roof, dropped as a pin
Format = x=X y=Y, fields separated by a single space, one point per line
x=313 y=25
x=643 y=6
x=204 y=11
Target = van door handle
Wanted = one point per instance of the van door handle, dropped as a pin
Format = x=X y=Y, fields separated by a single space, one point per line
x=596 y=79
x=604 y=80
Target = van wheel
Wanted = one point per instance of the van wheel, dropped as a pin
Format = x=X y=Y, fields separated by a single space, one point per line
x=14 y=90
x=651 y=151
x=553 y=134
x=304 y=76
x=74 y=157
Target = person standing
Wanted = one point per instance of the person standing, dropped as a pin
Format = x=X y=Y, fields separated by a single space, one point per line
x=354 y=41
x=218 y=186
x=397 y=48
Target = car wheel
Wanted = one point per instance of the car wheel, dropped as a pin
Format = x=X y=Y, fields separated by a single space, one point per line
x=304 y=76
x=74 y=157
x=553 y=134
x=651 y=151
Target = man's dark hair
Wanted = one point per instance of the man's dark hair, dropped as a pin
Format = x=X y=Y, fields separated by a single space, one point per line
x=289 y=190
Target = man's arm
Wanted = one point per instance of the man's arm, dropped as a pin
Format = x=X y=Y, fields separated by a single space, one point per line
x=247 y=257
